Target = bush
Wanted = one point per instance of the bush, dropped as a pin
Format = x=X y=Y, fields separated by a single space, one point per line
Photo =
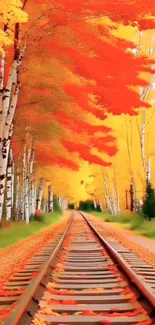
x=148 y=228
x=87 y=206
x=148 y=208
x=137 y=221
x=71 y=206
x=39 y=218
x=56 y=206
x=121 y=218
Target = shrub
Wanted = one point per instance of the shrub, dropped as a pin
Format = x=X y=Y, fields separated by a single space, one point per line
x=137 y=221
x=71 y=206
x=86 y=206
x=39 y=218
x=148 y=228
x=56 y=205
x=148 y=208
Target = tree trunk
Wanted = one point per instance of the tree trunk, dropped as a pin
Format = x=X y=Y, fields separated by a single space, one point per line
x=44 y=206
x=13 y=179
x=126 y=199
x=114 y=199
x=95 y=204
x=40 y=194
x=101 y=206
x=149 y=170
x=5 y=147
x=131 y=198
x=26 y=187
x=107 y=196
x=9 y=189
x=9 y=103
x=2 y=71
x=17 y=194
x=50 y=199
x=34 y=198
x=143 y=139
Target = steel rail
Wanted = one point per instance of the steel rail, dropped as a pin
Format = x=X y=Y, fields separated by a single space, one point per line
x=134 y=278
x=15 y=316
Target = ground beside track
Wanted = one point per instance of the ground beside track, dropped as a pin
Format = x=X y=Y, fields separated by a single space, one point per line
x=14 y=257
x=142 y=247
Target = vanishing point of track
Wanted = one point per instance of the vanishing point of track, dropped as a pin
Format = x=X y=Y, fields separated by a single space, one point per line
x=87 y=280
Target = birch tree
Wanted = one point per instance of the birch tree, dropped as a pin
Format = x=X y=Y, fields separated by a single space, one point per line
x=9 y=184
x=101 y=205
x=107 y=193
x=50 y=199
x=40 y=193
x=144 y=92
x=18 y=190
x=10 y=91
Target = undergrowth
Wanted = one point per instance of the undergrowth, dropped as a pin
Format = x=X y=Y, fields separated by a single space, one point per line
x=18 y=231
x=133 y=221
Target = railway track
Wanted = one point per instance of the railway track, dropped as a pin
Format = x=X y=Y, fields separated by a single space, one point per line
x=23 y=279
x=87 y=281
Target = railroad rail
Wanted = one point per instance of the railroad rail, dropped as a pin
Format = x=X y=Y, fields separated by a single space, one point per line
x=86 y=281
x=27 y=277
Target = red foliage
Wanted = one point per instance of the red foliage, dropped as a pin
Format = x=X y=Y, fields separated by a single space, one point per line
x=47 y=157
x=84 y=152
x=101 y=145
x=79 y=48
x=79 y=125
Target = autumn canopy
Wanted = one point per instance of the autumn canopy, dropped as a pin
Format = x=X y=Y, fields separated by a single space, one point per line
x=73 y=76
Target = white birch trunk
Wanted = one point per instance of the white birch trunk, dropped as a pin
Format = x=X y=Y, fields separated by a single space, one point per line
x=44 y=206
x=13 y=180
x=3 y=169
x=101 y=205
x=9 y=190
x=5 y=103
x=50 y=199
x=40 y=193
x=30 y=199
x=116 y=196
x=26 y=188
x=6 y=138
x=149 y=170
x=114 y=199
x=65 y=203
x=34 y=198
x=22 y=206
x=95 y=204
x=32 y=155
x=118 y=204
x=60 y=201
x=32 y=190
x=9 y=103
x=2 y=70
x=107 y=196
x=17 y=194
x=143 y=139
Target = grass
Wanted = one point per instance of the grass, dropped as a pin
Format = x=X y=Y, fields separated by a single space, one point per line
x=133 y=222
x=18 y=231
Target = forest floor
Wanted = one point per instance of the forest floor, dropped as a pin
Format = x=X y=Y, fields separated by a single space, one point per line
x=18 y=231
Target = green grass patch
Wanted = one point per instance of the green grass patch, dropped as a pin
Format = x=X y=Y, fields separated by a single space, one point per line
x=18 y=231
x=134 y=222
